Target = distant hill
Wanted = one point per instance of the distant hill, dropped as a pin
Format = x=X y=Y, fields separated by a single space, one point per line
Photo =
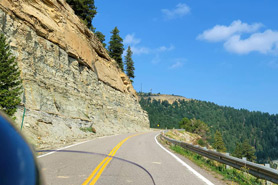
x=162 y=97
x=236 y=125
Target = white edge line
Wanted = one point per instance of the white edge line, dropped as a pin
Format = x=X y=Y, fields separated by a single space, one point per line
x=184 y=164
x=72 y=146
x=62 y=149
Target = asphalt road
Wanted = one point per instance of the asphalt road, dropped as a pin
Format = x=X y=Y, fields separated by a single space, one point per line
x=140 y=160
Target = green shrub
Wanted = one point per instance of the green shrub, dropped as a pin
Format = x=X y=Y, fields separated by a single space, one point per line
x=201 y=142
x=88 y=129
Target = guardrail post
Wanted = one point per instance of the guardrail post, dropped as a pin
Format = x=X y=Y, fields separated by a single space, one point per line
x=267 y=182
x=227 y=166
x=244 y=167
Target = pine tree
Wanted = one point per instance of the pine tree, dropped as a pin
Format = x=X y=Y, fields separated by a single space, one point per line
x=248 y=151
x=185 y=123
x=101 y=37
x=245 y=150
x=129 y=64
x=116 y=47
x=10 y=83
x=218 y=142
x=85 y=9
x=238 y=150
x=195 y=126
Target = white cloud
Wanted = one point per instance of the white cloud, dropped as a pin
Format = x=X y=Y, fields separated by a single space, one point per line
x=164 y=48
x=137 y=50
x=263 y=42
x=140 y=50
x=266 y=42
x=176 y=65
x=221 y=32
x=131 y=40
x=134 y=42
x=180 y=11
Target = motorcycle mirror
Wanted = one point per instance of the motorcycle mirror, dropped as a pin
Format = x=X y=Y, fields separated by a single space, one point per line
x=17 y=162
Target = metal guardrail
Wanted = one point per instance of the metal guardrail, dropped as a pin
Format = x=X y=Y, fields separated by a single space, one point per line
x=257 y=170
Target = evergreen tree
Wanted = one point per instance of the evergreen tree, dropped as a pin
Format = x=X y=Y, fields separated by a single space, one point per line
x=129 y=64
x=185 y=123
x=238 y=150
x=218 y=142
x=248 y=151
x=10 y=83
x=101 y=37
x=245 y=150
x=85 y=9
x=116 y=47
x=195 y=126
x=201 y=129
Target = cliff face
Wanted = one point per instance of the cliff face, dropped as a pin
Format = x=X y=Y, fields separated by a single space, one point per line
x=69 y=80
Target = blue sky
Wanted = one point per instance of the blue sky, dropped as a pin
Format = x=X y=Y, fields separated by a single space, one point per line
x=225 y=52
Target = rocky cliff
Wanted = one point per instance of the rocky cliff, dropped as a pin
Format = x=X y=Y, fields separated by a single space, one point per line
x=69 y=80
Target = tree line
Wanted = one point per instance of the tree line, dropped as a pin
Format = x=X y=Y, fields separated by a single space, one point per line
x=237 y=126
x=199 y=127
x=87 y=10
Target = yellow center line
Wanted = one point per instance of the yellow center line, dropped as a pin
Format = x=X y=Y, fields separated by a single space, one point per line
x=104 y=163
x=97 y=168
x=100 y=172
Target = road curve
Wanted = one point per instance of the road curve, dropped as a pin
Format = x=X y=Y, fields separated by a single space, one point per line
x=140 y=159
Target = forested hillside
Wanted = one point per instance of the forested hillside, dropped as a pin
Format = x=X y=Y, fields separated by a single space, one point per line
x=260 y=129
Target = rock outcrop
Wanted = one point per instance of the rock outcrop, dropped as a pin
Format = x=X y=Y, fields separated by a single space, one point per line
x=69 y=80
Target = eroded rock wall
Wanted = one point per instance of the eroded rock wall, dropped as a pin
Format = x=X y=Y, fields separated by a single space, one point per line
x=62 y=91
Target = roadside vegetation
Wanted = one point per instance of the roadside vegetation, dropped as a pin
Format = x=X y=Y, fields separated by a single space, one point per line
x=232 y=174
x=88 y=129
x=197 y=127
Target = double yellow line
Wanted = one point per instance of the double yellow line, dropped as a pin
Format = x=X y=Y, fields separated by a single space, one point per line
x=100 y=168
